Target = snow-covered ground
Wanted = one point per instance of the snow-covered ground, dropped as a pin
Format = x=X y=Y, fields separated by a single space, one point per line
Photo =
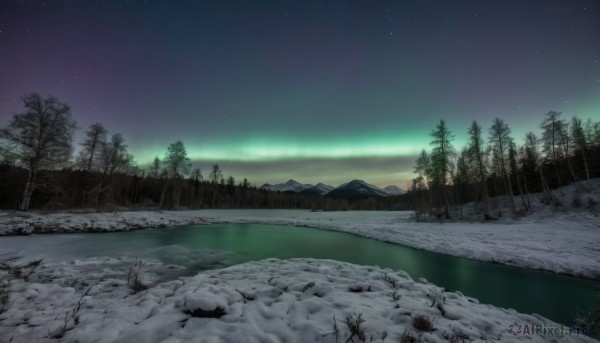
x=90 y=300
x=298 y=300
x=563 y=243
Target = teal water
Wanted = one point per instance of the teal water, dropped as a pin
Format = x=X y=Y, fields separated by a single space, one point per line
x=200 y=247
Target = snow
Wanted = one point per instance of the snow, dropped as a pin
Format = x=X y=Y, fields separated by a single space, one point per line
x=394 y=190
x=288 y=300
x=288 y=186
x=320 y=188
x=361 y=187
x=266 y=301
x=324 y=188
x=563 y=243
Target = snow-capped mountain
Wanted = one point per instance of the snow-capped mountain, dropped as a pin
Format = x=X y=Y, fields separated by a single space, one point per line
x=393 y=190
x=357 y=189
x=352 y=189
x=288 y=186
x=318 y=189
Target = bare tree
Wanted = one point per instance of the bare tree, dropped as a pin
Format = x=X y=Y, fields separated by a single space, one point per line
x=196 y=174
x=95 y=139
x=500 y=139
x=423 y=165
x=38 y=138
x=592 y=132
x=580 y=141
x=532 y=143
x=176 y=163
x=551 y=139
x=155 y=167
x=476 y=153
x=514 y=170
x=113 y=158
x=564 y=140
x=421 y=184
x=215 y=176
x=461 y=179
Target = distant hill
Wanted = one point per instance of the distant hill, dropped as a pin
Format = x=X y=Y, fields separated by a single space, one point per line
x=393 y=190
x=288 y=186
x=318 y=189
x=356 y=189
x=351 y=190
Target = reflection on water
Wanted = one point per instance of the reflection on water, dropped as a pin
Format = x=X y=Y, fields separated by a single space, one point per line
x=214 y=246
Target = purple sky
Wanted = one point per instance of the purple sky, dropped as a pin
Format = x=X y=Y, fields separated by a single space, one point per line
x=314 y=91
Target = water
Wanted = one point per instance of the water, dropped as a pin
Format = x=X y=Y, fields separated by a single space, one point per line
x=214 y=246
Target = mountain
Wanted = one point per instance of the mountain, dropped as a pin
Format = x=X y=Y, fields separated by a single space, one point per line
x=288 y=186
x=352 y=189
x=357 y=189
x=318 y=189
x=393 y=190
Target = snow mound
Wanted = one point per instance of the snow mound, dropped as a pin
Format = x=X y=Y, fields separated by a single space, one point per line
x=298 y=300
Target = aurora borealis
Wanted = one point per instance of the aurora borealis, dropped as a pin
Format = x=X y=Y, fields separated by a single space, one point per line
x=316 y=91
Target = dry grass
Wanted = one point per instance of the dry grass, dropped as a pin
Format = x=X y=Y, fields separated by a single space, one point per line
x=422 y=323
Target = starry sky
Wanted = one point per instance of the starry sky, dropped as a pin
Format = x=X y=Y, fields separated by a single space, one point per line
x=318 y=91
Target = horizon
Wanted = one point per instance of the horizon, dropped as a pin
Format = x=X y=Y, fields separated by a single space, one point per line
x=318 y=92
x=325 y=184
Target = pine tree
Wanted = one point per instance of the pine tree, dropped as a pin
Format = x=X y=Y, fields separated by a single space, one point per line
x=441 y=140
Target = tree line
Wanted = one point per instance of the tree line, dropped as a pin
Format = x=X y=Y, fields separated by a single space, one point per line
x=38 y=170
x=568 y=150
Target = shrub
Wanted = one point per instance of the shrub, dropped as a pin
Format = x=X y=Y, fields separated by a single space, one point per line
x=4 y=298
x=353 y=322
x=422 y=323
x=590 y=320
x=134 y=279
x=409 y=337
x=457 y=336
x=393 y=283
x=218 y=312
x=21 y=272
x=72 y=317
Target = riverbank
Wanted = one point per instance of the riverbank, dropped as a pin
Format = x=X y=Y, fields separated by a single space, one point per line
x=297 y=300
x=564 y=242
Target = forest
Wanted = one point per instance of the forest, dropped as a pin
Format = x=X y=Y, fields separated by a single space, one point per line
x=38 y=169
x=498 y=166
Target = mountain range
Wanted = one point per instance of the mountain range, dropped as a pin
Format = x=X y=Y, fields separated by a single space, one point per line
x=352 y=189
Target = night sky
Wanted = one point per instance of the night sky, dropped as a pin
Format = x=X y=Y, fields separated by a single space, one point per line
x=316 y=91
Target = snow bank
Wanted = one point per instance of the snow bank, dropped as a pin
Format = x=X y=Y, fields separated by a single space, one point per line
x=563 y=243
x=298 y=300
